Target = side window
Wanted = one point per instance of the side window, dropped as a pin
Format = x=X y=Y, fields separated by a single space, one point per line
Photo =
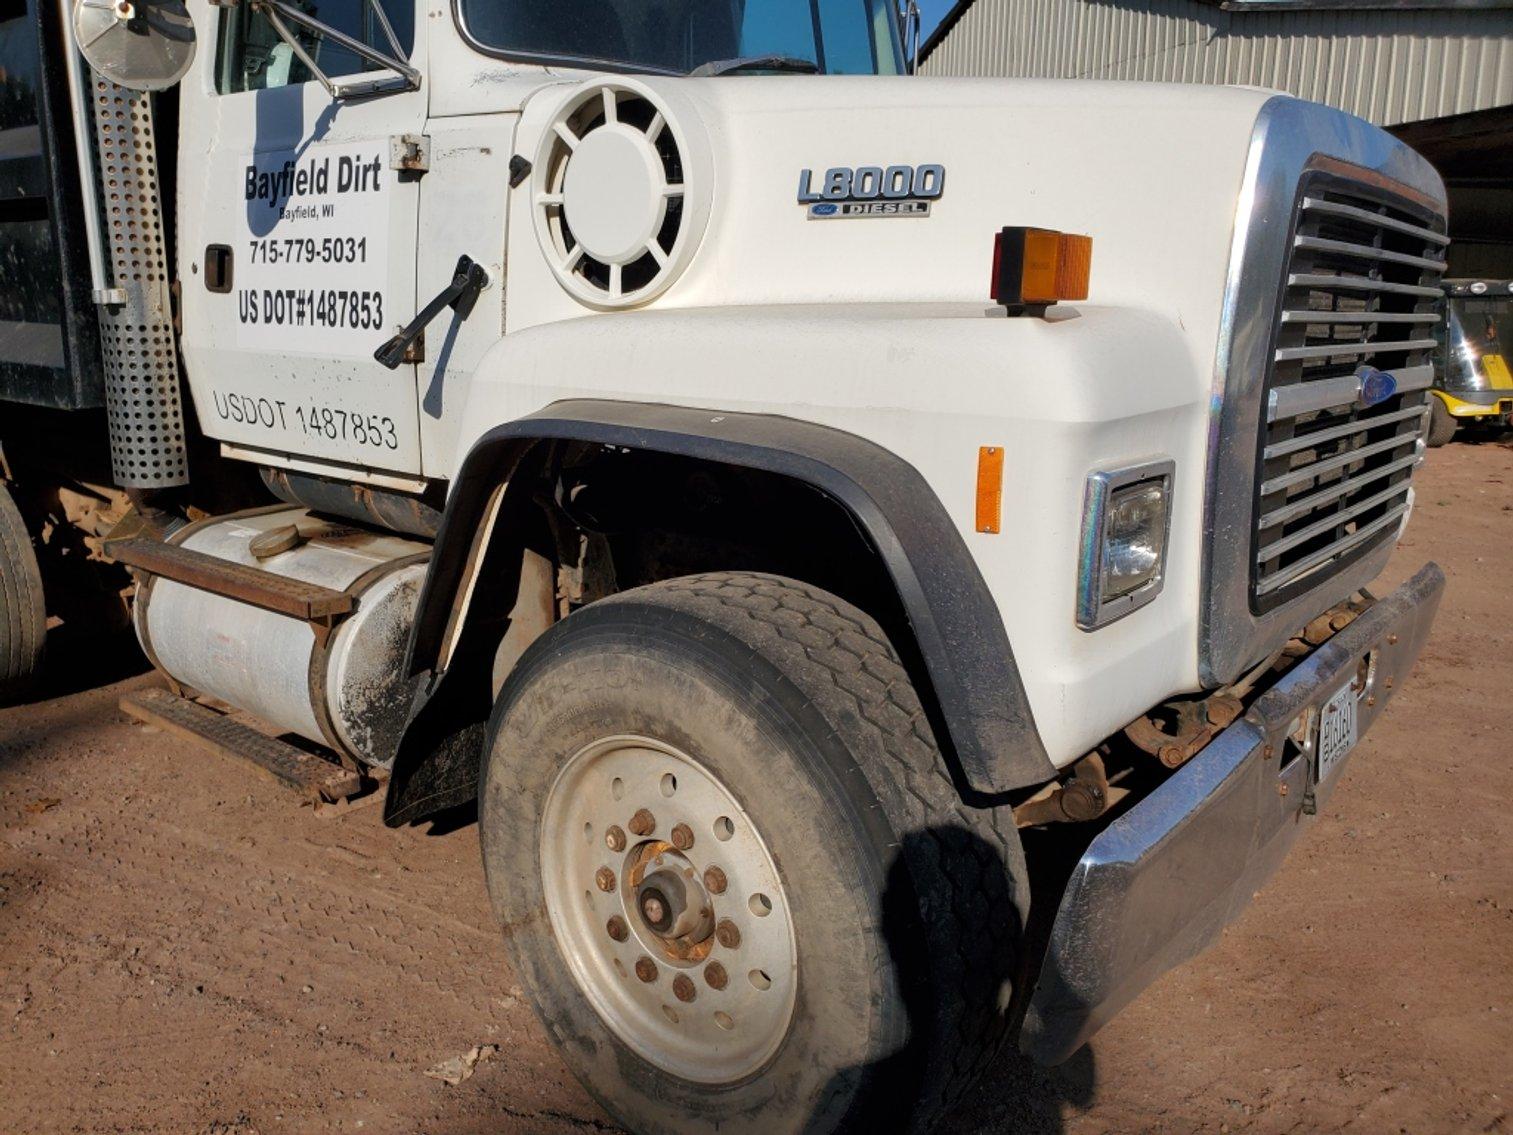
x=849 y=49
x=252 y=57
x=785 y=28
x=18 y=69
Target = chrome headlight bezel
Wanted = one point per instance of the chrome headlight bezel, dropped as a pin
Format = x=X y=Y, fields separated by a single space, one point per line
x=1094 y=610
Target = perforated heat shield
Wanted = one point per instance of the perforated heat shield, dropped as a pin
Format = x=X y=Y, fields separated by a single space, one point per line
x=142 y=399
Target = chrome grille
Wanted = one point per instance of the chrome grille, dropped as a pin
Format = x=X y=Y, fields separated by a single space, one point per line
x=1360 y=297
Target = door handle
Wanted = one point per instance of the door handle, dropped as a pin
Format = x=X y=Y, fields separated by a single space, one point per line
x=218 y=261
x=460 y=295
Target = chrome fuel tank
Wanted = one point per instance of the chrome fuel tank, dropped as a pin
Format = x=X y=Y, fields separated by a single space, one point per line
x=346 y=691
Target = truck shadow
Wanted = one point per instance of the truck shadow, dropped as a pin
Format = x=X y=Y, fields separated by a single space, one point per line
x=434 y=400
x=76 y=661
x=1018 y=1095
x=453 y=819
x=1014 y=1093
x=279 y=118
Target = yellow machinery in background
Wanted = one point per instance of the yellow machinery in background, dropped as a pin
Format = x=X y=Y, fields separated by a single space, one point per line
x=1473 y=383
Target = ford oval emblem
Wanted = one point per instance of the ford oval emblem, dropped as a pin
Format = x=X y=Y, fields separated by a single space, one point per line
x=1376 y=386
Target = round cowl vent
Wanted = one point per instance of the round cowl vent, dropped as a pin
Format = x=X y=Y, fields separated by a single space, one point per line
x=621 y=189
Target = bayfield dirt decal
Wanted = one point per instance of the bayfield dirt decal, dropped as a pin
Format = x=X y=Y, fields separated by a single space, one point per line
x=312 y=263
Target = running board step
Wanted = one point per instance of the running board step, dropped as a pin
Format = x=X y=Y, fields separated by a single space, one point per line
x=293 y=597
x=312 y=777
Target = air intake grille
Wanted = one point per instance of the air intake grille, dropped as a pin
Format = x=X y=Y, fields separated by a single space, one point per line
x=1339 y=441
x=622 y=281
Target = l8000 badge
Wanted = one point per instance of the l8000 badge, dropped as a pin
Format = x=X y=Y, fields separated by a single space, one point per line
x=872 y=191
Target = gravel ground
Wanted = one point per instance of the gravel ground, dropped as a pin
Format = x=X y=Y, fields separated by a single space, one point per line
x=185 y=949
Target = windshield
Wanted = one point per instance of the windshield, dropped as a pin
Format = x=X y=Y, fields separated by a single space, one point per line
x=1480 y=337
x=840 y=37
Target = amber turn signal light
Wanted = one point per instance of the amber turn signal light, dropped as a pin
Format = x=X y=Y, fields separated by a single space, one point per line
x=989 y=488
x=1034 y=268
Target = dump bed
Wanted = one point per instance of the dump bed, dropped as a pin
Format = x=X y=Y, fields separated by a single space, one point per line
x=49 y=338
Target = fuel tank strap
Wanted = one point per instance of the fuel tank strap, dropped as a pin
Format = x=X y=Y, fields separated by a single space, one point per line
x=277 y=593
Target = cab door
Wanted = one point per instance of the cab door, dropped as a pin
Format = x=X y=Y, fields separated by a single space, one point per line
x=297 y=236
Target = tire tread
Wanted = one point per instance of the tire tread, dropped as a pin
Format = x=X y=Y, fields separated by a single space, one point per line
x=23 y=616
x=843 y=660
x=1441 y=425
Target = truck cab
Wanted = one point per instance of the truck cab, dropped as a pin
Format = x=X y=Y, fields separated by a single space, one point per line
x=795 y=499
x=334 y=243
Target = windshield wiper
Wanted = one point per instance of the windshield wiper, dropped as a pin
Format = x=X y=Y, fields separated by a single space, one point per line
x=788 y=63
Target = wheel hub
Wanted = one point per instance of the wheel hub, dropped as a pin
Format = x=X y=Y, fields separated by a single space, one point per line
x=680 y=935
x=677 y=914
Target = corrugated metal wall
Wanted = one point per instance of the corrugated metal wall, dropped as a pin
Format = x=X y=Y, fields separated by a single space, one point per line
x=1386 y=66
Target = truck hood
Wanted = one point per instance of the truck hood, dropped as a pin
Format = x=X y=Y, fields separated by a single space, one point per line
x=1150 y=171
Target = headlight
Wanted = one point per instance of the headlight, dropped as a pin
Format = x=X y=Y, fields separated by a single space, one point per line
x=1125 y=522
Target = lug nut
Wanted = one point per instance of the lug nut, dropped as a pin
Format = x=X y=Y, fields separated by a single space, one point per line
x=1281 y=790
x=683 y=988
x=682 y=837
x=605 y=879
x=715 y=974
x=646 y=969
x=728 y=934
x=642 y=823
x=614 y=839
x=617 y=928
x=714 y=880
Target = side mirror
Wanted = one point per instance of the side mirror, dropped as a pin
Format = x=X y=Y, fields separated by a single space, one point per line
x=142 y=45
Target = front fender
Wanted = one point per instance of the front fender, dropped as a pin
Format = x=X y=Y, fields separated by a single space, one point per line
x=968 y=663
x=1091 y=388
x=916 y=389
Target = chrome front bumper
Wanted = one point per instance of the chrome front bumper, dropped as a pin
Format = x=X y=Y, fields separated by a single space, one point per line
x=1160 y=883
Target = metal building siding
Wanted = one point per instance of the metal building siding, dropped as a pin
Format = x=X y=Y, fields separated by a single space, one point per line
x=1386 y=66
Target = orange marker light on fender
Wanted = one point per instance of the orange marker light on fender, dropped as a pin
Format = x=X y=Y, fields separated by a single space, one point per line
x=989 y=489
x=1035 y=268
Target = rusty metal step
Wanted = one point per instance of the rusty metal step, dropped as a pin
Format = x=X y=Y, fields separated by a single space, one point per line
x=312 y=777
x=292 y=597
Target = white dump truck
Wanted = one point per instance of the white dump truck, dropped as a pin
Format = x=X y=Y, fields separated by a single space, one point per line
x=888 y=557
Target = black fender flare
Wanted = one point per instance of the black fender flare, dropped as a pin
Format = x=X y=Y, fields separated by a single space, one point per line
x=959 y=636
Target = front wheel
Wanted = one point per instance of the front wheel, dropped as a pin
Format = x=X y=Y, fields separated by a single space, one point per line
x=1441 y=424
x=23 y=618
x=736 y=880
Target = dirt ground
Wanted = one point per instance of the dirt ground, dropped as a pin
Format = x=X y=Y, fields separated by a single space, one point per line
x=184 y=949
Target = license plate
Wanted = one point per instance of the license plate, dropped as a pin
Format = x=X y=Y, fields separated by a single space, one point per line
x=1336 y=730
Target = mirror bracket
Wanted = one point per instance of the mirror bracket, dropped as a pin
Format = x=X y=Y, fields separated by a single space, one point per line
x=404 y=77
x=913 y=27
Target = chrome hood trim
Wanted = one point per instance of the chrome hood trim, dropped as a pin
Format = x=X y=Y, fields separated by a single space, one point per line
x=1291 y=138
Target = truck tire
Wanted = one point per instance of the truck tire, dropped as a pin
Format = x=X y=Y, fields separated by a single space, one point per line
x=23 y=617
x=866 y=924
x=1441 y=424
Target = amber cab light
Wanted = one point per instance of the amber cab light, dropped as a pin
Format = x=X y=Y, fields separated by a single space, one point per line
x=1035 y=268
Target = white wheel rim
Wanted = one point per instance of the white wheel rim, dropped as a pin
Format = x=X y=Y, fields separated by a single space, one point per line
x=721 y=993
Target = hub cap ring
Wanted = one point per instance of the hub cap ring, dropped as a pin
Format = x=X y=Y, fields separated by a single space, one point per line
x=723 y=979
